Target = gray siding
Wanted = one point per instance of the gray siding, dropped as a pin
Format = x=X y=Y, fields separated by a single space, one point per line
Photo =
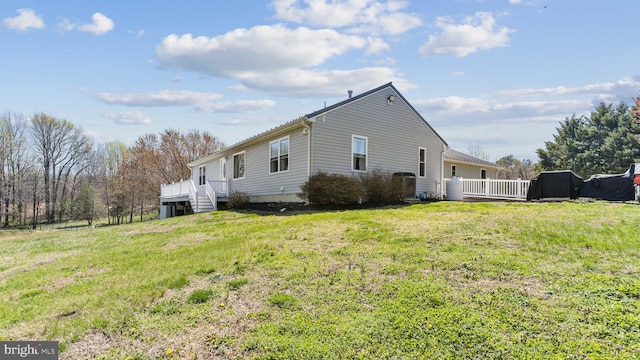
x=394 y=134
x=212 y=171
x=258 y=181
x=467 y=171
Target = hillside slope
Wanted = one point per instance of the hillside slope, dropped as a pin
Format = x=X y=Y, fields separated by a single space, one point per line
x=439 y=280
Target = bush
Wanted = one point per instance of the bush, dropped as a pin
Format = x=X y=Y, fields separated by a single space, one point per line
x=282 y=300
x=332 y=189
x=236 y=284
x=381 y=187
x=200 y=296
x=238 y=199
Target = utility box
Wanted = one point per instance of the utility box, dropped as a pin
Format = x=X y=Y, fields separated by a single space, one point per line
x=407 y=182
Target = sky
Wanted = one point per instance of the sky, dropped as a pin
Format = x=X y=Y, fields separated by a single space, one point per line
x=494 y=75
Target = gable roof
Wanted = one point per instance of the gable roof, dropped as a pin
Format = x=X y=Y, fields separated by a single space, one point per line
x=372 y=91
x=457 y=156
x=308 y=119
x=276 y=130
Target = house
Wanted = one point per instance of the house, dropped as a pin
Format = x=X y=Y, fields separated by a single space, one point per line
x=466 y=166
x=377 y=129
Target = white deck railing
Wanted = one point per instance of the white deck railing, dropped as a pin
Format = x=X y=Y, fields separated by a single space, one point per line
x=183 y=188
x=176 y=189
x=494 y=188
x=221 y=187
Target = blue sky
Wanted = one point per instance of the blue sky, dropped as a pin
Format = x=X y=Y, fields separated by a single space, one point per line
x=496 y=74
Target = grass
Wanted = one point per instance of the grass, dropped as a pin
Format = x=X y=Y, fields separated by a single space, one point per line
x=438 y=280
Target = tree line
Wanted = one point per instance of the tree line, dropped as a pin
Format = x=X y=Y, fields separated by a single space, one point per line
x=52 y=171
x=605 y=142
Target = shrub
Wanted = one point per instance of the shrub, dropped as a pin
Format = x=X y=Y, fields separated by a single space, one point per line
x=236 y=284
x=332 y=189
x=282 y=300
x=176 y=283
x=381 y=187
x=238 y=199
x=200 y=296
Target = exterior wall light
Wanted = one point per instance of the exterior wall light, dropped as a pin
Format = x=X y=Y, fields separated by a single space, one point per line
x=391 y=99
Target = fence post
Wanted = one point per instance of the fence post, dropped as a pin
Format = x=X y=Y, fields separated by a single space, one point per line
x=519 y=193
x=486 y=187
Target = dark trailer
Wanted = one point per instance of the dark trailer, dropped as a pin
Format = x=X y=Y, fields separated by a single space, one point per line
x=555 y=184
x=618 y=187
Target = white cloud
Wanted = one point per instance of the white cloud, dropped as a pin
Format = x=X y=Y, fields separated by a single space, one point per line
x=238 y=87
x=458 y=73
x=624 y=88
x=515 y=1
x=477 y=32
x=128 y=118
x=471 y=110
x=137 y=34
x=376 y=46
x=27 y=19
x=288 y=59
x=324 y=83
x=65 y=25
x=238 y=106
x=159 y=98
x=518 y=121
x=243 y=52
x=100 y=25
x=199 y=101
x=360 y=16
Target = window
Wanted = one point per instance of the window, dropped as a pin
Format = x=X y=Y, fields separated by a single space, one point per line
x=238 y=165
x=422 y=162
x=483 y=174
x=223 y=169
x=453 y=170
x=359 y=153
x=279 y=155
x=202 y=175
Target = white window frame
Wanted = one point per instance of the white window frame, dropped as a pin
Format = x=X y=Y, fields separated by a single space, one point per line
x=486 y=174
x=244 y=166
x=366 y=152
x=278 y=141
x=454 y=170
x=202 y=174
x=223 y=169
x=423 y=162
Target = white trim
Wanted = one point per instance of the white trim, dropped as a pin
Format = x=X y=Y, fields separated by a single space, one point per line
x=486 y=174
x=223 y=168
x=420 y=148
x=244 y=169
x=366 y=152
x=454 y=170
x=278 y=157
x=202 y=174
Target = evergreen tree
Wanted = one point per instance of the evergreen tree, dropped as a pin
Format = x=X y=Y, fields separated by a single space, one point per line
x=606 y=142
x=86 y=205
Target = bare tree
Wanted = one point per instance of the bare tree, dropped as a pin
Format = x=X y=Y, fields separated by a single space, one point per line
x=15 y=161
x=111 y=156
x=155 y=160
x=476 y=151
x=61 y=147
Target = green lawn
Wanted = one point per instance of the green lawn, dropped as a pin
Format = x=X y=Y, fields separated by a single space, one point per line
x=437 y=280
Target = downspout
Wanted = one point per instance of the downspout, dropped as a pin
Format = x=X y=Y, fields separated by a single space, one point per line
x=307 y=131
x=444 y=148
